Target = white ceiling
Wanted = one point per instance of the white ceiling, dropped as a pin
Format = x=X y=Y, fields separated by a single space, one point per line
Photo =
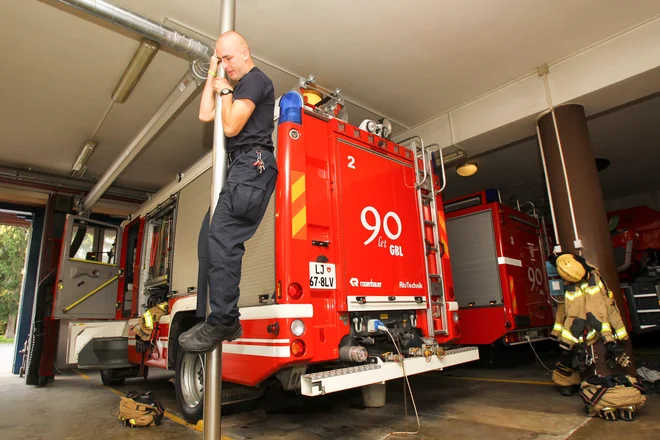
x=409 y=61
x=628 y=137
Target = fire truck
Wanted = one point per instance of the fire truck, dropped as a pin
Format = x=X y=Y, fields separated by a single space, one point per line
x=345 y=284
x=635 y=236
x=498 y=256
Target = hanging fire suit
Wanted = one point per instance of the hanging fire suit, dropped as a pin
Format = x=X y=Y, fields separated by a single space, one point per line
x=588 y=311
x=144 y=329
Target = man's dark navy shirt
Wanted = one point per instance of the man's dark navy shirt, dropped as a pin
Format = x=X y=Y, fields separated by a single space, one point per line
x=258 y=88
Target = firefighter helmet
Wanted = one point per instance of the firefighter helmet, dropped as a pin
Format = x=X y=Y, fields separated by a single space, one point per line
x=570 y=269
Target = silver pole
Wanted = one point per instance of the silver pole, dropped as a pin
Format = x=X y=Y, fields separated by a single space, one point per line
x=213 y=379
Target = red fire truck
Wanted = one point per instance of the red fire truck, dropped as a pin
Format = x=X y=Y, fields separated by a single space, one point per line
x=348 y=258
x=498 y=266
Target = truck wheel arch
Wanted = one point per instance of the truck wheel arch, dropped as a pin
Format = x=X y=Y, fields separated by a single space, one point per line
x=180 y=322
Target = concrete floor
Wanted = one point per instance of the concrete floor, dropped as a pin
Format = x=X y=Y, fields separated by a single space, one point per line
x=511 y=401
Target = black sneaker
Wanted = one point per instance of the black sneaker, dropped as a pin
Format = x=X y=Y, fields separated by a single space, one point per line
x=188 y=333
x=207 y=336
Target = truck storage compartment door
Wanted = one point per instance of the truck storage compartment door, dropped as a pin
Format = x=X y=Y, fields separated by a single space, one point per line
x=88 y=273
x=381 y=230
x=474 y=260
x=524 y=264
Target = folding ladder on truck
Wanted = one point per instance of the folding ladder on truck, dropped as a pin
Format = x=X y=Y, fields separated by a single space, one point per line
x=428 y=209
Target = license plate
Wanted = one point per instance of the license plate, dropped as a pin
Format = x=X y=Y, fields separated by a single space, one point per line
x=534 y=334
x=322 y=276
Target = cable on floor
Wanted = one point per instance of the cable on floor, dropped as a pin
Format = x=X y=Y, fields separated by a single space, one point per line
x=535 y=354
x=405 y=376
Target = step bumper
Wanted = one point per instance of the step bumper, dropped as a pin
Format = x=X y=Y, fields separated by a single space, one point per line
x=331 y=381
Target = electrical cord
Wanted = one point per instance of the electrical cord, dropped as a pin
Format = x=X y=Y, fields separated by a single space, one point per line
x=535 y=354
x=405 y=376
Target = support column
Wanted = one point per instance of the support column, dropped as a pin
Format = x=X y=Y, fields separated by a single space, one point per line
x=573 y=181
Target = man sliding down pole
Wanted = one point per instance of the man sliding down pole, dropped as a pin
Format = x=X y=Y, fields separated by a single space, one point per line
x=247 y=118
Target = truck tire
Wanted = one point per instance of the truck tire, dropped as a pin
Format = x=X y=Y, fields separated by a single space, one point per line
x=189 y=385
x=108 y=378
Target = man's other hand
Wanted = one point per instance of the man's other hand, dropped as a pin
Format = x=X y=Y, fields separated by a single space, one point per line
x=220 y=83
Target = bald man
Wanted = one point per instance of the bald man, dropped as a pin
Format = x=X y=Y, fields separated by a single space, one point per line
x=247 y=120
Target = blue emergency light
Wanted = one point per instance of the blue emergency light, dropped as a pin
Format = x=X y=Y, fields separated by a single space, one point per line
x=291 y=105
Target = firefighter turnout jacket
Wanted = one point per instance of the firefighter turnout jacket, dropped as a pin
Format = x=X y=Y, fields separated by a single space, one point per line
x=144 y=329
x=588 y=311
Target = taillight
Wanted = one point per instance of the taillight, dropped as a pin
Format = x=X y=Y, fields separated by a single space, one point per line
x=298 y=348
x=295 y=291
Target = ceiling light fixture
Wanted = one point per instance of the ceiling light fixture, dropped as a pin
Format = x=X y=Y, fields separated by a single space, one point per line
x=453 y=157
x=79 y=167
x=135 y=69
x=602 y=163
x=467 y=169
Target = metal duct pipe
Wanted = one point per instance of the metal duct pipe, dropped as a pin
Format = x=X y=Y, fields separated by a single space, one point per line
x=184 y=90
x=53 y=182
x=151 y=29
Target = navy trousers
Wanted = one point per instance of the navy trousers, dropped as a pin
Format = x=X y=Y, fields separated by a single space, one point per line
x=241 y=207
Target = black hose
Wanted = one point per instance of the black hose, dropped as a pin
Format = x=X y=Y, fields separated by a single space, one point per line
x=37 y=344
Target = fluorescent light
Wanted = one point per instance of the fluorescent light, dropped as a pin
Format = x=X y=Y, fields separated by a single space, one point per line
x=134 y=71
x=84 y=155
x=467 y=170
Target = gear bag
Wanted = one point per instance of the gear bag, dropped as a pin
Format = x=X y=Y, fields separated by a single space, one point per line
x=612 y=397
x=140 y=409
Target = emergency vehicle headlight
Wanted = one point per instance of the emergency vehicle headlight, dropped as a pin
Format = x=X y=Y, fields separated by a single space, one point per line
x=291 y=105
x=298 y=327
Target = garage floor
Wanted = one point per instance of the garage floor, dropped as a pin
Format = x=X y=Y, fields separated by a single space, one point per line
x=511 y=400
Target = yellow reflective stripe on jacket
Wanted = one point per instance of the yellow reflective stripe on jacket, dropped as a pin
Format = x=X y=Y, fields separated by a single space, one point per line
x=568 y=335
x=148 y=320
x=572 y=297
x=592 y=334
x=606 y=327
x=592 y=290
x=558 y=327
x=621 y=333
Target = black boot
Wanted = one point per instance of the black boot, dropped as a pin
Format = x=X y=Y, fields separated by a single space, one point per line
x=205 y=337
x=567 y=391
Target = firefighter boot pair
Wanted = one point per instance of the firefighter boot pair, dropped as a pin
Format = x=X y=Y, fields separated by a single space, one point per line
x=203 y=338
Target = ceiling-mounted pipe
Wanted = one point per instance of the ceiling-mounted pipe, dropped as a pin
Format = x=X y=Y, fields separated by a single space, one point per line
x=199 y=52
x=184 y=90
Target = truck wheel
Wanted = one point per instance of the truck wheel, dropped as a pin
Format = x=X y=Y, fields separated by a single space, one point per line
x=108 y=378
x=189 y=385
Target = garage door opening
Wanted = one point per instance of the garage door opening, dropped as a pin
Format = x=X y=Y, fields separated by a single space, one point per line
x=15 y=232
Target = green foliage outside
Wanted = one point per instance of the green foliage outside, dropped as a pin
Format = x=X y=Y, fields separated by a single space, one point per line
x=13 y=246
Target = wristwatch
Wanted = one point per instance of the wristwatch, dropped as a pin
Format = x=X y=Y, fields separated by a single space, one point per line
x=226 y=91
